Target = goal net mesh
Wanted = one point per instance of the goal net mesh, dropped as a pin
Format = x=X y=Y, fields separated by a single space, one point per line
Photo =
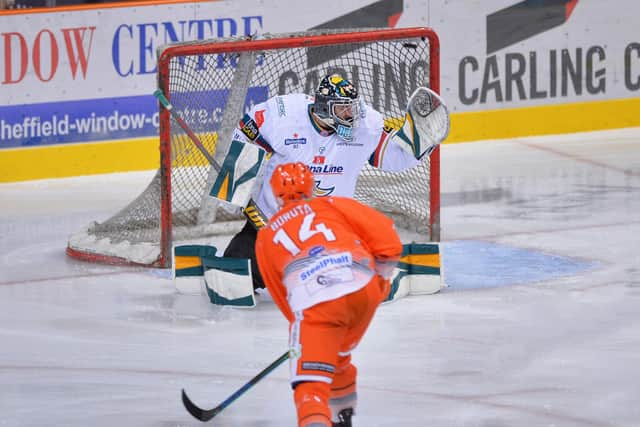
x=212 y=83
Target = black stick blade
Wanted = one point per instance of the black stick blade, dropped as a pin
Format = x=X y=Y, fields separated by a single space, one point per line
x=198 y=413
x=207 y=414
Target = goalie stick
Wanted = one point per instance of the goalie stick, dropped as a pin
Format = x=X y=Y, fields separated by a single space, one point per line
x=194 y=138
x=251 y=211
x=207 y=414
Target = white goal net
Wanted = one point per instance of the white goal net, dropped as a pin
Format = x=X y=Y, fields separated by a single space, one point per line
x=211 y=83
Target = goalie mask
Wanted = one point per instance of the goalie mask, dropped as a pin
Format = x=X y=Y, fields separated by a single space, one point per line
x=291 y=182
x=337 y=105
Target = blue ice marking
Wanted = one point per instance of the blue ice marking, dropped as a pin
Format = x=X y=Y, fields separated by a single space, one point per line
x=475 y=264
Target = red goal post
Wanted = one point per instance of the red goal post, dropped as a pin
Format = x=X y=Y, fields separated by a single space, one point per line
x=210 y=83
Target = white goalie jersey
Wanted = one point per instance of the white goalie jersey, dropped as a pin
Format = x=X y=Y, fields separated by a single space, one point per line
x=283 y=127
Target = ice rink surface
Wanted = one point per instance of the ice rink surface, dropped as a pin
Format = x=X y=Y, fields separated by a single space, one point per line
x=540 y=324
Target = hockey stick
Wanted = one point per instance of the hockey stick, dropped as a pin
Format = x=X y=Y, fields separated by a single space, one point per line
x=194 y=138
x=207 y=414
x=251 y=211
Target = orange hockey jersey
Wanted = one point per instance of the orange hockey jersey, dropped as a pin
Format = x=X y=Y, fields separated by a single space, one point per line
x=320 y=249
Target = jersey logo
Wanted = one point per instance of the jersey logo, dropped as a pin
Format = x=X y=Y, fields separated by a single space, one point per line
x=326 y=169
x=322 y=192
x=318 y=160
x=316 y=250
x=295 y=141
x=325 y=264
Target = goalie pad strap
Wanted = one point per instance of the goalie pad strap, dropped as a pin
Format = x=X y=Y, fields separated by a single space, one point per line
x=187 y=259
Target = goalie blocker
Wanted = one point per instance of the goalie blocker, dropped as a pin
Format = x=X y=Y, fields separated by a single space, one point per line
x=227 y=281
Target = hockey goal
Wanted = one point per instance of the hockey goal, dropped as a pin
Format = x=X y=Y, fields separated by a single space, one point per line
x=211 y=83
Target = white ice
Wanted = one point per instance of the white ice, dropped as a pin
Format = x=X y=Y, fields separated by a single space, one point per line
x=540 y=325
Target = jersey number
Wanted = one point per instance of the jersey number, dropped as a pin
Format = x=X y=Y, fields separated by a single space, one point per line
x=306 y=231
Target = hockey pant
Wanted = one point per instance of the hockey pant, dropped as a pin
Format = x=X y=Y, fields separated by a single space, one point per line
x=322 y=338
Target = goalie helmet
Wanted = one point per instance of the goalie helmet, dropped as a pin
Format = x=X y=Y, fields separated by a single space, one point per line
x=336 y=105
x=291 y=182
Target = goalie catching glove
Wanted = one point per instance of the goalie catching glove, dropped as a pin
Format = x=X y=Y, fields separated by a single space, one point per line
x=426 y=123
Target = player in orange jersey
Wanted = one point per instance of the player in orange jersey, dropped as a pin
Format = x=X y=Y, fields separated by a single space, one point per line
x=326 y=262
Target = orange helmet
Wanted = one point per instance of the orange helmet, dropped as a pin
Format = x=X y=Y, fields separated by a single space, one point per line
x=291 y=182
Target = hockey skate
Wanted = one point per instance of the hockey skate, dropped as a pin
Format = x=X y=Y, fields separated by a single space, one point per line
x=344 y=418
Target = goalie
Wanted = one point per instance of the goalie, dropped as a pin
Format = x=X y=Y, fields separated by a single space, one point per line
x=335 y=134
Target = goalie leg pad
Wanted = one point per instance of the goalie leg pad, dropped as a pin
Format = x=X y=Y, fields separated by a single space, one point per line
x=419 y=271
x=188 y=269
x=424 y=270
x=228 y=281
x=399 y=288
